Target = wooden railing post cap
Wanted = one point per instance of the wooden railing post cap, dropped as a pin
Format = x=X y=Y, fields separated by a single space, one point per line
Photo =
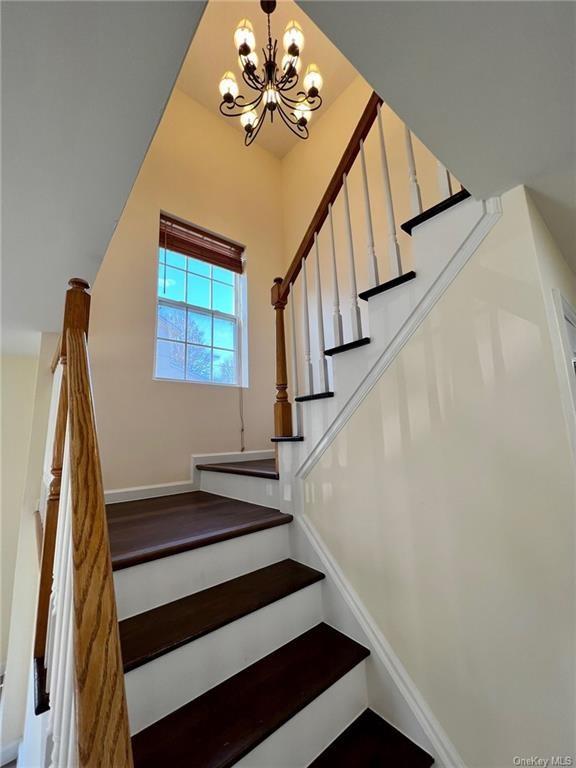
x=277 y=301
x=78 y=284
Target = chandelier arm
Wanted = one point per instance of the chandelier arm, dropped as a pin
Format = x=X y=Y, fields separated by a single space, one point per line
x=311 y=102
x=249 y=137
x=299 y=130
x=228 y=109
x=286 y=83
x=252 y=80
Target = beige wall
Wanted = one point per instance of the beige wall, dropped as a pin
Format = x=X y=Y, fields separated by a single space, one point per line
x=462 y=547
x=18 y=381
x=197 y=169
x=28 y=398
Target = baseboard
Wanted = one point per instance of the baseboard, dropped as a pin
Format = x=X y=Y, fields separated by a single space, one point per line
x=492 y=212
x=148 y=491
x=9 y=752
x=436 y=739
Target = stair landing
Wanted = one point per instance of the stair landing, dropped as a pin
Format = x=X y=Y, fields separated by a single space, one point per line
x=149 y=529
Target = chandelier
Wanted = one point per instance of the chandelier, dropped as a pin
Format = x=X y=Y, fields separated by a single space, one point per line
x=273 y=83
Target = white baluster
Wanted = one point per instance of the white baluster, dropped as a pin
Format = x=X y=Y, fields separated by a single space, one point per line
x=444 y=181
x=69 y=681
x=355 y=318
x=336 y=316
x=309 y=372
x=322 y=362
x=372 y=260
x=415 y=197
x=294 y=357
x=65 y=681
x=393 y=246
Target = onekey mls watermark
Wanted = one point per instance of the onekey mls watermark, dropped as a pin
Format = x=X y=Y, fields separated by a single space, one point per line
x=534 y=761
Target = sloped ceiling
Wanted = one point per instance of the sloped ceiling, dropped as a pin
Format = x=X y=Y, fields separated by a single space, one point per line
x=490 y=87
x=84 y=85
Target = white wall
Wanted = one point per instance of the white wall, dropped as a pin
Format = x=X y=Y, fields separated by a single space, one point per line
x=198 y=169
x=448 y=501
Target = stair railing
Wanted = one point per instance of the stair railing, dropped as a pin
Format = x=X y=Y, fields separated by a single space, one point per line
x=77 y=656
x=283 y=288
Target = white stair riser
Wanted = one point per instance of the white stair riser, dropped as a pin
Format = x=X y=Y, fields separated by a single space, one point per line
x=167 y=683
x=149 y=585
x=306 y=735
x=257 y=490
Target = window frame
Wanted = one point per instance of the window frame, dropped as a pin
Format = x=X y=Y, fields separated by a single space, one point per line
x=239 y=320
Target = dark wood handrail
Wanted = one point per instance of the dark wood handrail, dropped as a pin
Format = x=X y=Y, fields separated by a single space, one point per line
x=335 y=185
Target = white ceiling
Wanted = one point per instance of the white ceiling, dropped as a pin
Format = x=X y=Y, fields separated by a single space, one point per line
x=212 y=53
x=84 y=85
x=490 y=87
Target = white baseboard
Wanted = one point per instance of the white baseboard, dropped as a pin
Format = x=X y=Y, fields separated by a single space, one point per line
x=148 y=491
x=9 y=752
x=406 y=708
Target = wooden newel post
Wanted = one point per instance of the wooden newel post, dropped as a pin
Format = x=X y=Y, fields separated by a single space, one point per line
x=76 y=309
x=282 y=406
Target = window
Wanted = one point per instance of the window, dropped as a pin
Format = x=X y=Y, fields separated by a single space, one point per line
x=198 y=329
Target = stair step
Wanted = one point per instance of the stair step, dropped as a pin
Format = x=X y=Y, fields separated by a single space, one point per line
x=292 y=439
x=152 y=634
x=454 y=199
x=255 y=468
x=365 y=295
x=371 y=742
x=224 y=724
x=318 y=396
x=148 y=529
x=346 y=347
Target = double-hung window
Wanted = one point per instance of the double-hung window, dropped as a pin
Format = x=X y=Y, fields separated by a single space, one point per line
x=199 y=318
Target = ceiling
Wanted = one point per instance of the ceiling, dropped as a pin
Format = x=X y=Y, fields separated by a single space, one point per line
x=490 y=87
x=212 y=53
x=84 y=85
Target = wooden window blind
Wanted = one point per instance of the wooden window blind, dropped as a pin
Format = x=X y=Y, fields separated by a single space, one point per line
x=176 y=235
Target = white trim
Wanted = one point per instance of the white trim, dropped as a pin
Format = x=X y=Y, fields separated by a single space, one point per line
x=491 y=214
x=117 y=495
x=565 y=312
x=446 y=754
x=148 y=491
x=9 y=752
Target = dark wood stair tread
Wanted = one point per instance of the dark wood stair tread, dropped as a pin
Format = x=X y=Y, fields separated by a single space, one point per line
x=291 y=439
x=163 y=629
x=149 y=529
x=346 y=347
x=317 y=396
x=253 y=468
x=224 y=724
x=388 y=285
x=371 y=742
x=440 y=207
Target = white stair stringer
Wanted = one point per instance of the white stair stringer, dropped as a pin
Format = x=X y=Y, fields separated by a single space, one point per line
x=306 y=735
x=161 y=686
x=142 y=587
x=440 y=247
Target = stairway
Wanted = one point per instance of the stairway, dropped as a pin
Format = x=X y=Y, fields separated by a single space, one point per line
x=227 y=658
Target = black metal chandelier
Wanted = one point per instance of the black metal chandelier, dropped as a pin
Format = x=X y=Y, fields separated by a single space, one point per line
x=271 y=81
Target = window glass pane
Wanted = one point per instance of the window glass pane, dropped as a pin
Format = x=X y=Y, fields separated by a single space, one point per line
x=198 y=363
x=198 y=267
x=223 y=298
x=175 y=259
x=161 y=254
x=171 y=283
x=169 y=360
x=224 y=275
x=171 y=322
x=200 y=328
x=199 y=291
x=224 y=370
x=224 y=333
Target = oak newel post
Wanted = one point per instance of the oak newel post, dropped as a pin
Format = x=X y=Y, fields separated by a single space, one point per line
x=282 y=406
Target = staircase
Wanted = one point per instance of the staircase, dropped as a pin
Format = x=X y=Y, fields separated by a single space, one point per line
x=227 y=657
